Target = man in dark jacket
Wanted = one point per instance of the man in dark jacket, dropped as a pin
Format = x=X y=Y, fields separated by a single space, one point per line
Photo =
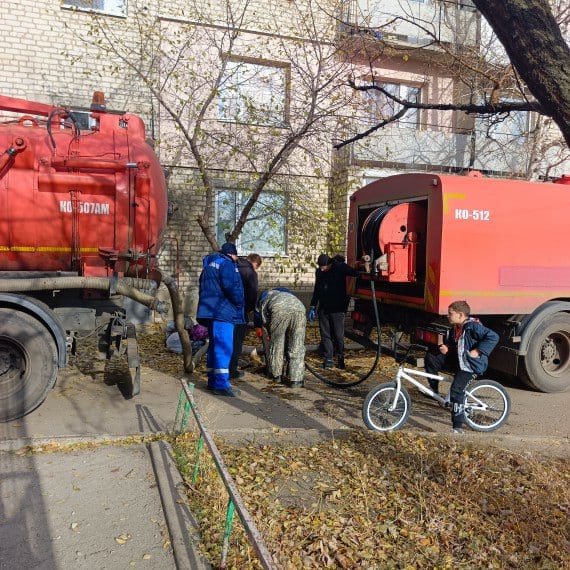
x=466 y=352
x=248 y=271
x=331 y=301
x=220 y=307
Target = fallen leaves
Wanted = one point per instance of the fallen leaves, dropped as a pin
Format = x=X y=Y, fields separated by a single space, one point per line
x=122 y=538
x=393 y=500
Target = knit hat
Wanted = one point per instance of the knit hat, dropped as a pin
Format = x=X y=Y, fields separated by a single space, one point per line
x=229 y=249
x=323 y=260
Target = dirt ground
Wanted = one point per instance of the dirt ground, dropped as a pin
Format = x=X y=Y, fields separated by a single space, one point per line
x=87 y=400
x=538 y=422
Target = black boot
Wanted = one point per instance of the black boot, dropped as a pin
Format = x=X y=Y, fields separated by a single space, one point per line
x=340 y=363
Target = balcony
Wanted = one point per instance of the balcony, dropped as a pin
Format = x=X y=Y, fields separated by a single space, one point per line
x=413 y=23
x=413 y=149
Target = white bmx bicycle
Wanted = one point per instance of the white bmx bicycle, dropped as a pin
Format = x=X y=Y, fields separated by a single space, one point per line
x=387 y=406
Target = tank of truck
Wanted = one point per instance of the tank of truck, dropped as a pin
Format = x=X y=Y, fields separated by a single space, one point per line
x=83 y=204
x=91 y=201
x=501 y=245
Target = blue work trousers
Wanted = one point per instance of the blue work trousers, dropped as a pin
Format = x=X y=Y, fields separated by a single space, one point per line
x=220 y=349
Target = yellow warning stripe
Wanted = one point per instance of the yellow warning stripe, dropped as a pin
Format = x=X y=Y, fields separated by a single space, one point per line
x=31 y=249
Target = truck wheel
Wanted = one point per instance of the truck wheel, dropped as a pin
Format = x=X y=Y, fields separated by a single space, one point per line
x=547 y=362
x=28 y=364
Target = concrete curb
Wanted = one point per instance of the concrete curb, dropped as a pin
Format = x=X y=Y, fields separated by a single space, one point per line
x=182 y=526
x=297 y=435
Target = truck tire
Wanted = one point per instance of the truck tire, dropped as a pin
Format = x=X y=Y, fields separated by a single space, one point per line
x=547 y=361
x=28 y=364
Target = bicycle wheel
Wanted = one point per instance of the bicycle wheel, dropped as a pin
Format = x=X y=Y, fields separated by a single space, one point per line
x=376 y=410
x=487 y=405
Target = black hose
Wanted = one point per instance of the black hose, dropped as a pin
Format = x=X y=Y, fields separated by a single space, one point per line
x=379 y=345
x=68 y=114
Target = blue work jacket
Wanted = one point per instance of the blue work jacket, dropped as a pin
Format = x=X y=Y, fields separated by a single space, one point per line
x=221 y=291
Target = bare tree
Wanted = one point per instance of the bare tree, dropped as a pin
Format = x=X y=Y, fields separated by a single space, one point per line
x=537 y=49
x=242 y=97
x=496 y=86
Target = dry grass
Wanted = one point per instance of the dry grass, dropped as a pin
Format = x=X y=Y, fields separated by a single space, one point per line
x=378 y=501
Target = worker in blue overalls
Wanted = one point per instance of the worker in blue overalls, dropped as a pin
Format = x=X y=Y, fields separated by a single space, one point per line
x=220 y=307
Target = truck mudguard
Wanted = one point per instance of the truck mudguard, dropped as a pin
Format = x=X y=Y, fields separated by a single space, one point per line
x=44 y=314
x=531 y=322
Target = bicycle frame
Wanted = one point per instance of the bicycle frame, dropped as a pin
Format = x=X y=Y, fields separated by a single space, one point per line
x=407 y=374
x=386 y=407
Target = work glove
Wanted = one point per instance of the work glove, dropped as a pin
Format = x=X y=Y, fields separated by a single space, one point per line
x=312 y=315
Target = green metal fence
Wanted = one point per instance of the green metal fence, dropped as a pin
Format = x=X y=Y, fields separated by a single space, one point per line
x=187 y=404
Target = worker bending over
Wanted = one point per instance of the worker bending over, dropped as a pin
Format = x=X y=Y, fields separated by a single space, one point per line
x=283 y=316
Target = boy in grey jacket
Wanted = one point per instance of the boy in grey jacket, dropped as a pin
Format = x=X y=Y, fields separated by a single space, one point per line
x=466 y=352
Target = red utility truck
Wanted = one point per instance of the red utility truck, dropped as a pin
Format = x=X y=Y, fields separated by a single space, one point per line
x=501 y=245
x=83 y=204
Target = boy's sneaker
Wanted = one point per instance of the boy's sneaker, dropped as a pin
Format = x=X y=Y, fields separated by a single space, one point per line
x=327 y=363
x=457 y=431
x=340 y=363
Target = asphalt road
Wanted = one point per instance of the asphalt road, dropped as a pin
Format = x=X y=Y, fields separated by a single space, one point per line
x=85 y=404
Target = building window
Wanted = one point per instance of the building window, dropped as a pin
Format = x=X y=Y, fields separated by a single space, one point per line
x=512 y=128
x=254 y=94
x=110 y=7
x=264 y=232
x=381 y=107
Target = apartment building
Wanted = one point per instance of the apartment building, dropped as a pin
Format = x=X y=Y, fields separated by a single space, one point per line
x=250 y=96
x=422 y=50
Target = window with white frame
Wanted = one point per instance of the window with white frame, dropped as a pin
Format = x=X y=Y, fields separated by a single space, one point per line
x=381 y=106
x=265 y=230
x=253 y=93
x=511 y=128
x=110 y=7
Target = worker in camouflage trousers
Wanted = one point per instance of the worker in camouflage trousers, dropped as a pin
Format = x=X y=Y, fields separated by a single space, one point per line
x=283 y=316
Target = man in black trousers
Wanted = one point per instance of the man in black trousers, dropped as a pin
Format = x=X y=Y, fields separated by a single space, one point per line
x=331 y=302
x=248 y=271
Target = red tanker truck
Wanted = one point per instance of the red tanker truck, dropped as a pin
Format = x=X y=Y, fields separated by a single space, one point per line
x=83 y=204
x=501 y=245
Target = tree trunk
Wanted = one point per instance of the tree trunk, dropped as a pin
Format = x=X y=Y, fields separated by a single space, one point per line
x=179 y=323
x=535 y=45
